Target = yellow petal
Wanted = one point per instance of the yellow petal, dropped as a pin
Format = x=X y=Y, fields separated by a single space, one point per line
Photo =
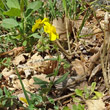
x=34 y=27
x=37 y=25
x=53 y=29
x=45 y=20
x=38 y=20
x=23 y=100
x=47 y=27
x=53 y=37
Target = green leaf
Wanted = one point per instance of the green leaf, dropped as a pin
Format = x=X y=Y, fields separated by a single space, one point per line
x=12 y=102
x=34 y=5
x=35 y=35
x=1 y=76
x=52 y=10
x=23 y=88
x=5 y=90
x=51 y=100
x=1 y=92
x=93 y=87
x=61 y=79
x=74 y=107
x=86 y=92
x=13 y=4
x=4 y=102
x=12 y=12
x=25 y=43
x=9 y=23
x=98 y=94
x=56 y=107
x=1 y=4
x=80 y=107
x=39 y=98
x=66 y=108
x=75 y=99
x=79 y=92
x=40 y=82
x=65 y=6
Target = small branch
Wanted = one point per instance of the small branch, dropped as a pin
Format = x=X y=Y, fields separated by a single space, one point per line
x=57 y=99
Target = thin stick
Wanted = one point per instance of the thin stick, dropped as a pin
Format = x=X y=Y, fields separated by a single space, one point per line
x=57 y=99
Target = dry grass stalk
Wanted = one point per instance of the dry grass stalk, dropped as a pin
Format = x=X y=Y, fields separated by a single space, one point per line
x=105 y=60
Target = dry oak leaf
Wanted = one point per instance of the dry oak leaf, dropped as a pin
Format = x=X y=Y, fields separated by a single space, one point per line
x=79 y=67
x=38 y=64
x=19 y=59
x=61 y=28
x=6 y=72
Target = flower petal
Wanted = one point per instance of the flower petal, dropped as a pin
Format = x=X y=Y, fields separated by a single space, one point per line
x=47 y=27
x=45 y=20
x=23 y=100
x=53 y=36
x=34 y=27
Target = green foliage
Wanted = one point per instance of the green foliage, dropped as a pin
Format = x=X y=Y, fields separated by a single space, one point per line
x=78 y=107
x=1 y=5
x=21 y=28
x=7 y=99
x=87 y=93
x=40 y=82
x=66 y=108
x=18 y=18
x=46 y=87
x=13 y=4
x=9 y=23
x=13 y=12
x=61 y=79
x=79 y=92
x=23 y=88
x=34 y=5
x=5 y=62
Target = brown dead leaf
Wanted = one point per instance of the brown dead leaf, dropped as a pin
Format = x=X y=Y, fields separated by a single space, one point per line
x=6 y=72
x=94 y=71
x=61 y=29
x=86 y=31
x=78 y=67
x=95 y=104
x=17 y=84
x=100 y=14
x=28 y=72
x=35 y=61
x=19 y=59
x=38 y=64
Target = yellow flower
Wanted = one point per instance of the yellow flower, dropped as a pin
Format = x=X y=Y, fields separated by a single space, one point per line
x=39 y=23
x=51 y=30
x=23 y=100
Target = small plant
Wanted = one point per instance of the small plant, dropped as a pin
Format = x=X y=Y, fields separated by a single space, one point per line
x=5 y=62
x=19 y=21
x=45 y=87
x=7 y=99
x=87 y=93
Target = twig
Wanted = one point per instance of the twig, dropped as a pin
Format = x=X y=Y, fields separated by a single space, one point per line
x=104 y=60
x=56 y=99
x=68 y=36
